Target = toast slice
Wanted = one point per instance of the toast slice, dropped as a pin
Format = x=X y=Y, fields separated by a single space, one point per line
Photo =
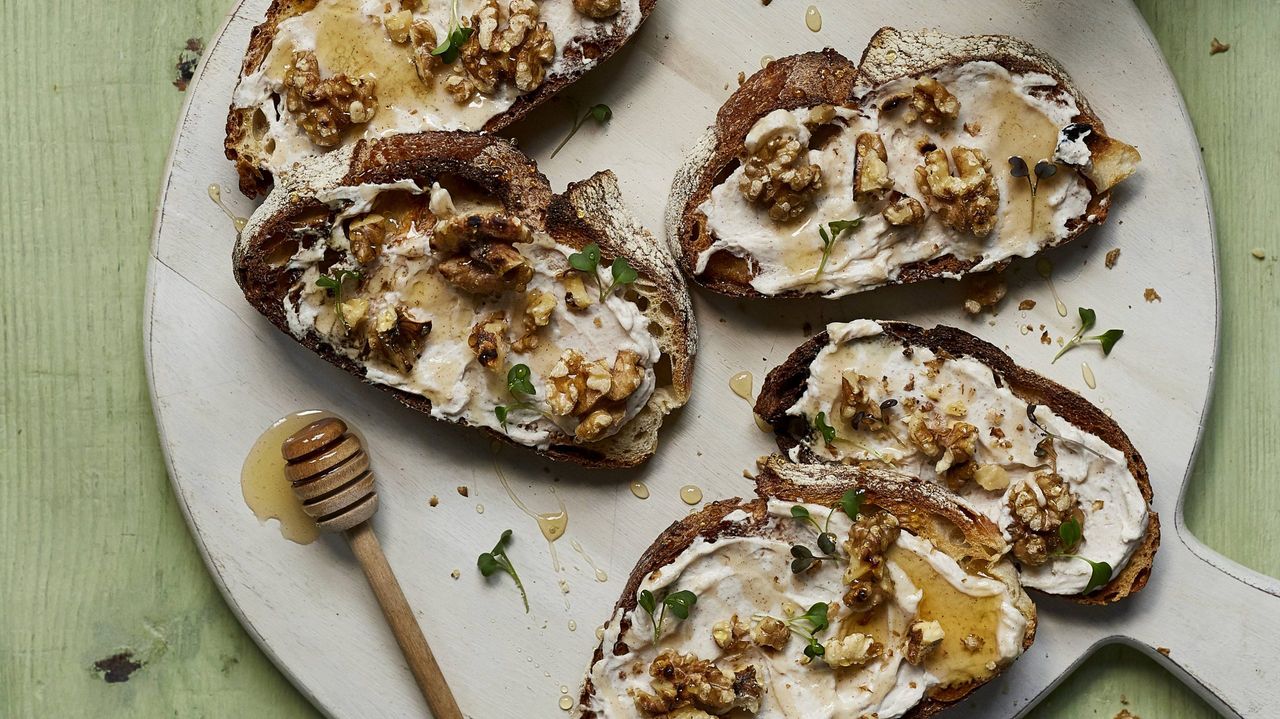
x=945 y=406
x=911 y=158
x=932 y=570
x=321 y=74
x=437 y=267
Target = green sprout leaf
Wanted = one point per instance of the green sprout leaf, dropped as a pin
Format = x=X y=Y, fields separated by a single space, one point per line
x=1044 y=169
x=1088 y=318
x=518 y=381
x=680 y=603
x=1070 y=532
x=1099 y=577
x=501 y=413
x=799 y=512
x=623 y=272
x=494 y=561
x=829 y=234
x=647 y=601
x=827 y=542
x=586 y=260
x=1018 y=167
x=457 y=36
x=851 y=502
x=332 y=284
x=828 y=432
x=600 y=113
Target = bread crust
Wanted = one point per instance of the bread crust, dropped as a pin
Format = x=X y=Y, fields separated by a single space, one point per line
x=890 y=55
x=588 y=211
x=256 y=181
x=927 y=510
x=785 y=384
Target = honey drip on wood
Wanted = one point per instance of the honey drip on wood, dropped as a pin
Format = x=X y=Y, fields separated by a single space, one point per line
x=1089 y=379
x=553 y=525
x=215 y=194
x=690 y=494
x=813 y=18
x=566 y=703
x=742 y=385
x=263 y=484
x=1045 y=268
x=766 y=61
x=601 y=575
x=640 y=489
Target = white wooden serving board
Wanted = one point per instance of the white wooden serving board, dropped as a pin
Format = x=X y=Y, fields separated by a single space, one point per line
x=220 y=374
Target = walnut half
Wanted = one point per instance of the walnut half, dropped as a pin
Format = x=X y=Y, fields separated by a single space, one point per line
x=967 y=201
x=1035 y=524
x=326 y=107
x=479 y=256
x=598 y=9
x=683 y=681
x=775 y=169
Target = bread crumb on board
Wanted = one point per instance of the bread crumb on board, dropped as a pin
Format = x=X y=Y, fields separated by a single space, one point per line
x=1027 y=305
x=434 y=501
x=1259 y=253
x=1126 y=714
x=464 y=491
x=1150 y=295
x=1217 y=48
x=1112 y=257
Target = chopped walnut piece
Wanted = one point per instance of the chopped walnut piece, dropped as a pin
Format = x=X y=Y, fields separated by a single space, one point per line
x=1113 y=256
x=991 y=477
x=479 y=253
x=903 y=211
x=960 y=445
x=871 y=178
x=1150 y=295
x=923 y=437
x=972 y=643
x=354 y=311
x=731 y=635
x=852 y=651
x=870 y=537
x=923 y=638
x=598 y=9
x=397 y=25
x=967 y=201
x=1037 y=512
x=776 y=170
x=326 y=107
x=516 y=48
x=537 y=314
x=684 y=680
x=747 y=691
x=595 y=425
x=422 y=35
x=770 y=633
x=486 y=340
x=575 y=292
x=397 y=338
x=933 y=103
x=627 y=375
x=1027 y=305
x=367 y=235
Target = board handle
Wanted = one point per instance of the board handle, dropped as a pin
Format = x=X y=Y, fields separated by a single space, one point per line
x=1217 y=627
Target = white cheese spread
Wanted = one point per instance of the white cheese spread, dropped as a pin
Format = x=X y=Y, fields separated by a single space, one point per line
x=1115 y=512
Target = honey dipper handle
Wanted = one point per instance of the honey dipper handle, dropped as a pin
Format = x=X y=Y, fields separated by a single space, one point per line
x=403 y=623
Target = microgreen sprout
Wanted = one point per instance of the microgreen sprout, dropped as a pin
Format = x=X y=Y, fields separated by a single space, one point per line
x=458 y=35
x=828 y=432
x=1088 y=318
x=829 y=234
x=807 y=626
x=333 y=283
x=680 y=603
x=803 y=557
x=600 y=113
x=521 y=388
x=588 y=261
x=491 y=562
x=1043 y=170
x=1071 y=533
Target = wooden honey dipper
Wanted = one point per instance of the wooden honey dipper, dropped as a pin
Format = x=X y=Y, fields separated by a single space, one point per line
x=329 y=472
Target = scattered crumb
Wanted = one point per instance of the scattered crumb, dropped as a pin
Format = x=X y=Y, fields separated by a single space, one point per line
x=1163 y=650
x=1124 y=700
x=742 y=77
x=1126 y=714
x=455 y=574
x=1259 y=253
x=464 y=491
x=1150 y=295
x=1217 y=48
x=1112 y=256
x=434 y=501
x=1044 y=338
x=1027 y=305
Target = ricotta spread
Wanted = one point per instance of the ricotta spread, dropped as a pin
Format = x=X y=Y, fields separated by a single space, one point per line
x=348 y=37
x=960 y=388
x=1001 y=113
x=751 y=576
x=446 y=371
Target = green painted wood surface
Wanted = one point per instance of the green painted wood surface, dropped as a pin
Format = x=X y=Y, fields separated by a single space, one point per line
x=96 y=559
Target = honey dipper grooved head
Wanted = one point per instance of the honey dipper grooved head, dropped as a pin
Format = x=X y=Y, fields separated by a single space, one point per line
x=329 y=472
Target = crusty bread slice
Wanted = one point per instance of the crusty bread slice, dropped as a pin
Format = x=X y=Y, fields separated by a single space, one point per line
x=927 y=511
x=786 y=384
x=578 y=54
x=587 y=212
x=811 y=79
